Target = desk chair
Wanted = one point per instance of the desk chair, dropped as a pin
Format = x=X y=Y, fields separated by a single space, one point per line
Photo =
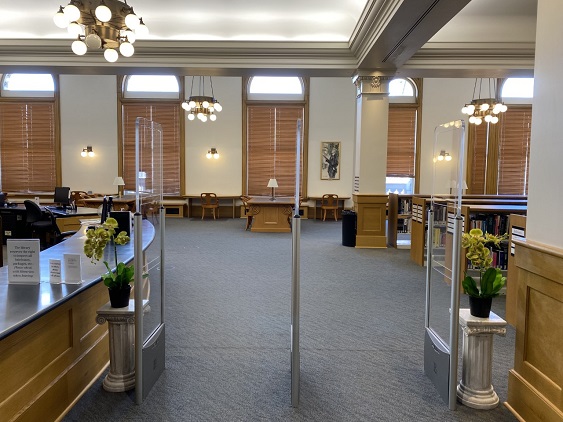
x=329 y=202
x=209 y=201
x=245 y=200
x=58 y=236
x=39 y=224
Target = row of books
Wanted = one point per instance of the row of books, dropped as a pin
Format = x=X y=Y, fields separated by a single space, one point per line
x=404 y=225
x=438 y=237
x=489 y=223
x=405 y=206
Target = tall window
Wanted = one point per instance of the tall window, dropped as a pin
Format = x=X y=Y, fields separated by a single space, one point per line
x=28 y=142
x=402 y=136
x=157 y=98
x=273 y=107
x=498 y=160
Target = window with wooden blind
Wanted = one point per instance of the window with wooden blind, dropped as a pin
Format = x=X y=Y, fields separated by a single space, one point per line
x=168 y=115
x=401 y=141
x=28 y=146
x=514 y=150
x=271 y=148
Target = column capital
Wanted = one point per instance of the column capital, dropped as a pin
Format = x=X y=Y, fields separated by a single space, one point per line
x=372 y=84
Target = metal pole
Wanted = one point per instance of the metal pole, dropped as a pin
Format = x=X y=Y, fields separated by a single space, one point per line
x=138 y=221
x=429 y=241
x=454 y=316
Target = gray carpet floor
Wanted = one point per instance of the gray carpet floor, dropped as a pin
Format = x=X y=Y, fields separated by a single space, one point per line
x=228 y=334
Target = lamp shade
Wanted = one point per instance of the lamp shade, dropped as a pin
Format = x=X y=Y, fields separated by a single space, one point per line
x=272 y=183
x=118 y=181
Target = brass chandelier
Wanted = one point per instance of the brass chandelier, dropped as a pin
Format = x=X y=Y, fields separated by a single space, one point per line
x=202 y=106
x=484 y=109
x=110 y=25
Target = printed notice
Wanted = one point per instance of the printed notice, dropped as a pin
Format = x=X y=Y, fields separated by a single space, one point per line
x=73 y=273
x=55 y=271
x=23 y=261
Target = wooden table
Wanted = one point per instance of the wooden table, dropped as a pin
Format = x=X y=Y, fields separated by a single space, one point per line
x=232 y=198
x=272 y=216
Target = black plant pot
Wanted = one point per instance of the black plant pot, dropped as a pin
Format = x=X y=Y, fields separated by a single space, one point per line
x=119 y=298
x=480 y=306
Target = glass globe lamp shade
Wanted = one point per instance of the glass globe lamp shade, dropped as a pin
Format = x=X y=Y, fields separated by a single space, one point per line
x=478 y=121
x=208 y=155
x=211 y=108
x=216 y=155
x=205 y=104
x=142 y=30
x=484 y=107
x=60 y=19
x=132 y=21
x=448 y=157
x=74 y=29
x=472 y=119
x=470 y=109
x=464 y=110
x=191 y=117
x=494 y=119
x=440 y=157
x=103 y=13
x=204 y=118
x=93 y=41
x=192 y=104
x=111 y=55
x=79 y=47
x=213 y=117
x=199 y=115
x=83 y=153
x=218 y=106
x=71 y=12
x=130 y=35
x=504 y=108
x=185 y=106
x=488 y=118
x=91 y=153
x=126 y=49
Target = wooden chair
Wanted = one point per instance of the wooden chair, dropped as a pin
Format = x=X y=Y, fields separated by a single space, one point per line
x=209 y=201
x=329 y=202
x=245 y=200
x=77 y=196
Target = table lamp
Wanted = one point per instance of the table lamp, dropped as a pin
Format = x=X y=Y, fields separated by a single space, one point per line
x=118 y=181
x=273 y=183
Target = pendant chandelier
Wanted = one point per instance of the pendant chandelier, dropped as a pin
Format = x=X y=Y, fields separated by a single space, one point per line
x=202 y=106
x=484 y=109
x=109 y=25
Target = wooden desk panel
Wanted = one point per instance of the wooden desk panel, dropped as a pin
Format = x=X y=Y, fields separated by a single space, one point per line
x=271 y=216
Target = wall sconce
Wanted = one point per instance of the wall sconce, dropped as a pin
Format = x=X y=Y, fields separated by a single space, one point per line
x=87 y=152
x=212 y=153
x=443 y=156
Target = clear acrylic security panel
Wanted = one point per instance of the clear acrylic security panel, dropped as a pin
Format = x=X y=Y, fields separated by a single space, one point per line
x=148 y=203
x=442 y=284
x=149 y=193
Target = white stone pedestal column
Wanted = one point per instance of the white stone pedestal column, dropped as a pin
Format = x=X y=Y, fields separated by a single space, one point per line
x=475 y=389
x=121 y=325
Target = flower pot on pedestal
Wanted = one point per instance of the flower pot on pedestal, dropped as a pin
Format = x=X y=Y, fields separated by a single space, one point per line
x=480 y=306
x=119 y=298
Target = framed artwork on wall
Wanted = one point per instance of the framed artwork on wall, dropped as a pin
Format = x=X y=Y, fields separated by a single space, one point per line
x=330 y=160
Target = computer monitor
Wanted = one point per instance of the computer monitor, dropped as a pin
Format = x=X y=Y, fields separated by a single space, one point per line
x=62 y=196
x=2 y=199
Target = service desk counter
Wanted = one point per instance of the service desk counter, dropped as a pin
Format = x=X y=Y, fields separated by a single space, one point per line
x=51 y=348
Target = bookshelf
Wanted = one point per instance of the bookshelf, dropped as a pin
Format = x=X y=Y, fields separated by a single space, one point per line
x=488 y=204
x=399 y=220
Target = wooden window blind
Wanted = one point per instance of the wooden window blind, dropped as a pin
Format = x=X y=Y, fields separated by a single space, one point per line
x=477 y=152
x=401 y=142
x=168 y=116
x=514 y=150
x=27 y=146
x=271 y=149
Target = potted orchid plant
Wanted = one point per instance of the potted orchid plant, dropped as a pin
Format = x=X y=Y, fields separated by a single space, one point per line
x=118 y=282
x=479 y=246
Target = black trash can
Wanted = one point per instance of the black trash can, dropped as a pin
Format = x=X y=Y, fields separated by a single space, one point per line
x=348 y=228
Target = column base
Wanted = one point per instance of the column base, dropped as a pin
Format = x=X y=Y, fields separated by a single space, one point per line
x=477 y=399
x=115 y=383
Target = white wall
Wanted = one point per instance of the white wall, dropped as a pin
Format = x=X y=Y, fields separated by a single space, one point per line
x=224 y=175
x=545 y=195
x=88 y=106
x=331 y=121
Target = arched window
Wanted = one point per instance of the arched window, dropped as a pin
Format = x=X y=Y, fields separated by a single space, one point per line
x=272 y=107
x=29 y=144
x=157 y=98
x=518 y=88
x=402 y=136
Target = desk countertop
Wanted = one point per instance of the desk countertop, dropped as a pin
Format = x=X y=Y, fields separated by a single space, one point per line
x=267 y=200
x=20 y=304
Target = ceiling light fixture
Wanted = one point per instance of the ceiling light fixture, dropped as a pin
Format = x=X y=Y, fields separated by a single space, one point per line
x=110 y=25
x=486 y=109
x=202 y=106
